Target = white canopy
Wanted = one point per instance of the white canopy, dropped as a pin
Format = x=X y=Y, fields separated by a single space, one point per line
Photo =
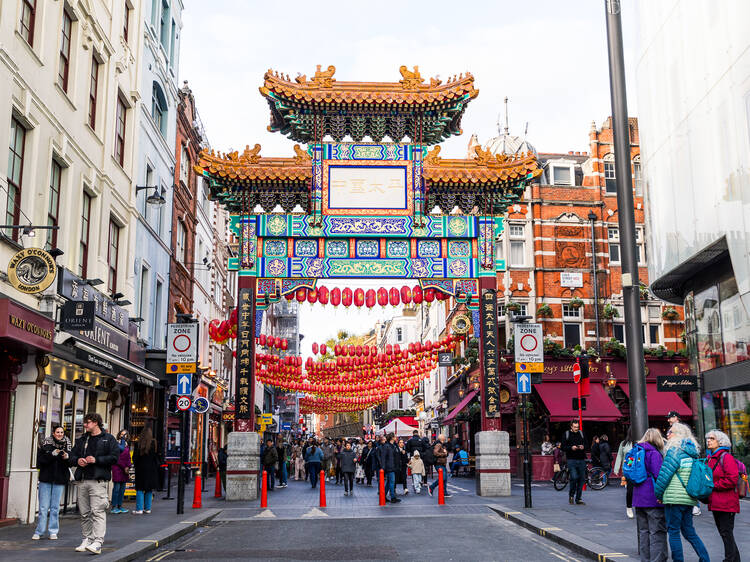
x=398 y=427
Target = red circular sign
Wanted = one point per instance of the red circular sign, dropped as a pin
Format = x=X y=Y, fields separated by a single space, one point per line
x=576 y=373
x=181 y=343
x=525 y=342
x=183 y=403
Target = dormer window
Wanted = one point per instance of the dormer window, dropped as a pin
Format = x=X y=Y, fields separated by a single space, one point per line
x=562 y=175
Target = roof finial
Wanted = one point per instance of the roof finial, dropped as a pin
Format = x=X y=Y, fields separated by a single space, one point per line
x=506 y=115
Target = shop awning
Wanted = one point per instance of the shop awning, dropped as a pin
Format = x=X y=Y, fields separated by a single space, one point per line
x=660 y=403
x=118 y=366
x=558 y=398
x=461 y=406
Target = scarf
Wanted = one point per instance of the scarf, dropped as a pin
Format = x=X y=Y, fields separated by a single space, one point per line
x=64 y=444
x=717 y=451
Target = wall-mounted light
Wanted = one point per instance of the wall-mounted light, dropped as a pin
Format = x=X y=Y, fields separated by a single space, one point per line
x=156 y=198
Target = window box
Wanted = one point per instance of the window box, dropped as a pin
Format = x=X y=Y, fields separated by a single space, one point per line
x=544 y=311
x=670 y=313
x=610 y=312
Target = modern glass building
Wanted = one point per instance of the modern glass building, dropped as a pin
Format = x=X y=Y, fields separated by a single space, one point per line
x=693 y=80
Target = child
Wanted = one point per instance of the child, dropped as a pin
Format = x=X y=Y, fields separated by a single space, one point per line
x=417 y=471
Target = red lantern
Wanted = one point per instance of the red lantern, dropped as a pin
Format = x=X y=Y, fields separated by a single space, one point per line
x=416 y=294
x=312 y=296
x=359 y=297
x=370 y=298
x=323 y=349
x=289 y=296
x=323 y=295
x=346 y=297
x=277 y=343
x=262 y=340
x=335 y=296
x=405 y=295
x=301 y=294
x=429 y=295
x=284 y=345
x=337 y=350
x=394 y=297
x=315 y=348
x=382 y=297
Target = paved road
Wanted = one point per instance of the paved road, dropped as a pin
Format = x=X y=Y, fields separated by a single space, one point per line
x=472 y=537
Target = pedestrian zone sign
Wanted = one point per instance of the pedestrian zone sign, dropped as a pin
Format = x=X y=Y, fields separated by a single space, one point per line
x=182 y=343
x=528 y=348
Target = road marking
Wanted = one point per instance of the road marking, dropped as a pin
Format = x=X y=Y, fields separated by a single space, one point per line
x=155 y=542
x=601 y=524
x=266 y=513
x=315 y=512
x=161 y=556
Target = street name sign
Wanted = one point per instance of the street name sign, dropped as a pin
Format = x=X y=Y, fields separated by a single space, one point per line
x=182 y=343
x=445 y=359
x=523 y=383
x=183 y=403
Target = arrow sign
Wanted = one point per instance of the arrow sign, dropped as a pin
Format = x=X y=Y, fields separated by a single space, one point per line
x=523 y=383
x=184 y=385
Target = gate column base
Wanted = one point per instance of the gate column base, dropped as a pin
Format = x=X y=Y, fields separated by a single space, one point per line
x=492 y=463
x=243 y=463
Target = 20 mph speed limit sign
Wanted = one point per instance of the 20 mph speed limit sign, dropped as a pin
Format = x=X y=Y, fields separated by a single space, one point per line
x=183 y=403
x=528 y=343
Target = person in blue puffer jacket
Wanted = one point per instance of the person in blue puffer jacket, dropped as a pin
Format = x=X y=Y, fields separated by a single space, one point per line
x=681 y=451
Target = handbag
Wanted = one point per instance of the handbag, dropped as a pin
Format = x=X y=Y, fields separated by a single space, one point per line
x=556 y=467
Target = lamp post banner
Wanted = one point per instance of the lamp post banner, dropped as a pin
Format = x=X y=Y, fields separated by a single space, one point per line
x=490 y=349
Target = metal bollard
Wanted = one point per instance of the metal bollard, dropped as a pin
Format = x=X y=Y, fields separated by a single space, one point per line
x=322 y=488
x=264 y=490
x=381 y=486
x=217 y=490
x=441 y=490
x=197 y=499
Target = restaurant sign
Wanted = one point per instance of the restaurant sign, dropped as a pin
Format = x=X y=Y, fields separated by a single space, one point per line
x=25 y=327
x=31 y=270
x=105 y=337
x=74 y=288
x=676 y=383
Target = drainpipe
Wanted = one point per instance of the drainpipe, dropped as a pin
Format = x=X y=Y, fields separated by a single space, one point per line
x=592 y=218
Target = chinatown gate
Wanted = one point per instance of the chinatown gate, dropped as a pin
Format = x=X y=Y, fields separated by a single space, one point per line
x=360 y=209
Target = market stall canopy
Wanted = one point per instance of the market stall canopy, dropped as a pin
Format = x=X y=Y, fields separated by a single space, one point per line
x=461 y=405
x=558 y=398
x=400 y=427
x=659 y=403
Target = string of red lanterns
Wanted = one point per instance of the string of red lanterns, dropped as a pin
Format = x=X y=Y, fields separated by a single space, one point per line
x=369 y=298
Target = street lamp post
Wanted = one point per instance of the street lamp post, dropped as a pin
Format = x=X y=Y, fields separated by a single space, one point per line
x=595 y=280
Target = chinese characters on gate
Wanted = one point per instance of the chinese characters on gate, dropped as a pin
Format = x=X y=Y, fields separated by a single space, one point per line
x=365 y=187
x=488 y=312
x=245 y=354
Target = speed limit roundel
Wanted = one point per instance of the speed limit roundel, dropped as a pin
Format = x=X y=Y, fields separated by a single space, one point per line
x=183 y=403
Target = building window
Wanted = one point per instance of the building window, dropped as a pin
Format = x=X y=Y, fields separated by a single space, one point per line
x=181 y=246
x=62 y=73
x=93 y=91
x=184 y=165
x=640 y=246
x=654 y=312
x=159 y=108
x=618 y=331
x=572 y=334
x=83 y=250
x=120 y=124
x=53 y=209
x=571 y=312
x=28 y=16
x=610 y=185
x=143 y=298
x=653 y=333
x=172 y=44
x=517 y=235
x=15 y=175
x=637 y=178
x=157 y=327
x=113 y=249
x=561 y=175
x=501 y=311
x=613 y=236
x=126 y=22
x=399 y=335
x=164 y=24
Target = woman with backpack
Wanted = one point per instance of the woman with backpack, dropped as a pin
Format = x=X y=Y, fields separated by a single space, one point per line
x=625 y=446
x=649 y=512
x=671 y=490
x=724 y=501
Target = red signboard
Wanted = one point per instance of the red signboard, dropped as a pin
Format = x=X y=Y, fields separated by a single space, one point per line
x=25 y=327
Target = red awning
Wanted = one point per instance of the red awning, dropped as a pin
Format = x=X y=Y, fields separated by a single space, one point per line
x=661 y=403
x=461 y=406
x=558 y=397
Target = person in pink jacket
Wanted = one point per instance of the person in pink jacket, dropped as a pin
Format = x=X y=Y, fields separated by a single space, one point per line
x=120 y=476
x=724 y=501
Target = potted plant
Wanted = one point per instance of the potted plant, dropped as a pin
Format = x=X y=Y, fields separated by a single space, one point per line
x=513 y=306
x=576 y=303
x=644 y=292
x=670 y=313
x=610 y=311
x=544 y=311
x=614 y=348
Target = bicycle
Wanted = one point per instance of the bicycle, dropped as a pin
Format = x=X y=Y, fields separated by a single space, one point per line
x=596 y=478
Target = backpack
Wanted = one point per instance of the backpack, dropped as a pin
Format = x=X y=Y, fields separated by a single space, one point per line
x=428 y=456
x=741 y=487
x=700 y=484
x=634 y=465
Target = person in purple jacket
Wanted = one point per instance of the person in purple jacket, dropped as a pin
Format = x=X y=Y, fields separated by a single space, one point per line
x=649 y=513
x=120 y=476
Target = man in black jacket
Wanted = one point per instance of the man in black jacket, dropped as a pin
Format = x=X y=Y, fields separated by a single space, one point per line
x=414 y=444
x=269 y=456
x=387 y=453
x=93 y=454
x=574 y=446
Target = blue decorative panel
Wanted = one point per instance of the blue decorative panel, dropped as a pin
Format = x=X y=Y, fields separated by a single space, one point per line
x=367 y=249
x=397 y=248
x=337 y=248
x=274 y=248
x=458 y=226
x=428 y=248
x=458 y=268
x=306 y=248
x=367 y=226
x=459 y=249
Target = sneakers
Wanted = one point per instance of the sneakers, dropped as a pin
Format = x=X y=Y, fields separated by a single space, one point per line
x=95 y=547
x=447 y=495
x=406 y=492
x=429 y=491
x=82 y=547
x=696 y=510
x=395 y=500
x=35 y=537
x=146 y=511
x=52 y=537
x=580 y=502
x=137 y=512
x=571 y=501
x=629 y=512
x=123 y=510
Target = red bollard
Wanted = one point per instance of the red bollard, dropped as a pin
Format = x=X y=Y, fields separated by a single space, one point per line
x=322 y=488
x=197 y=491
x=441 y=490
x=381 y=485
x=264 y=490
x=217 y=490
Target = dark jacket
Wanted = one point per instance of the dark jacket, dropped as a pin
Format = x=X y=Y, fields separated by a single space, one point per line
x=146 y=468
x=103 y=448
x=270 y=456
x=222 y=458
x=569 y=440
x=605 y=455
x=414 y=444
x=387 y=457
x=428 y=456
x=596 y=454
x=643 y=493
x=370 y=459
x=53 y=469
x=346 y=460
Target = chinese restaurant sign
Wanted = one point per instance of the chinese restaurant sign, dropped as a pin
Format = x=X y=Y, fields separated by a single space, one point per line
x=245 y=354
x=488 y=312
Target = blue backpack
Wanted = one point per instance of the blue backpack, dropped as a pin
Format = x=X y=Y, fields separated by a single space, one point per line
x=634 y=465
x=700 y=484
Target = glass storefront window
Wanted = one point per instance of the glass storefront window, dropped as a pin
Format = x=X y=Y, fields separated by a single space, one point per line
x=42 y=419
x=67 y=422
x=729 y=412
x=708 y=328
x=80 y=403
x=734 y=322
x=55 y=416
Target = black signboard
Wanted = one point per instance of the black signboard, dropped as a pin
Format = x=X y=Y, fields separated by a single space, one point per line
x=676 y=383
x=77 y=315
x=445 y=359
x=74 y=288
x=575 y=403
x=105 y=337
x=245 y=355
x=490 y=350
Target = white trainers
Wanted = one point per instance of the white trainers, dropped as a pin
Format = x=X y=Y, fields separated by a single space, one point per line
x=35 y=537
x=629 y=511
x=95 y=547
x=696 y=510
x=82 y=547
x=53 y=537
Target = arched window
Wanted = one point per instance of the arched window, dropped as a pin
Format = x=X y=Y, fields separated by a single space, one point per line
x=159 y=108
x=610 y=186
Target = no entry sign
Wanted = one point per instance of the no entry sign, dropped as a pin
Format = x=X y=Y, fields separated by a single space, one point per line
x=182 y=343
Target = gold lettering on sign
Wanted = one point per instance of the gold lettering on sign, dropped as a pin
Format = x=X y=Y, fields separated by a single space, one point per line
x=29 y=327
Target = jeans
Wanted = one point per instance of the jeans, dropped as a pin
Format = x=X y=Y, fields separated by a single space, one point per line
x=437 y=480
x=680 y=518
x=628 y=494
x=270 y=479
x=416 y=480
x=390 y=485
x=577 y=470
x=348 y=478
x=284 y=475
x=314 y=471
x=118 y=493
x=725 y=525
x=49 y=500
x=652 y=534
x=143 y=500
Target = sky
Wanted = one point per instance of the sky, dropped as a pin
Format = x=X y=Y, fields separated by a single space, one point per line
x=549 y=57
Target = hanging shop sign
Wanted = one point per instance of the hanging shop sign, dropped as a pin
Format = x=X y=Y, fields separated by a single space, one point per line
x=245 y=354
x=31 y=270
x=488 y=311
x=105 y=337
x=25 y=326
x=74 y=288
x=77 y=315
x=676 y=383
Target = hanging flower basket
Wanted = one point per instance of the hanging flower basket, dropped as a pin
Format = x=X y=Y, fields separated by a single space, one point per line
x=513 y=306
x=670 y=313
x=610 y=312
x=576 y=303
x=544 y=311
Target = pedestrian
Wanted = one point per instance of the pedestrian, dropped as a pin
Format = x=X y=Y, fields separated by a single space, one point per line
x=298 y=462
x=120 y=476
x=724 y=501
x=52 y=459
x=441 y=456
x=387 y=455
x=313 y=458
x=547 y=445
x=281 y=451
x=415 y=443
x=649 y=512
x=339 y=447
x=222 y=457
x=269 y=457
x=329 y=452
x=369 y=460
x=146 y=464
x=595 y=457
x=575 y=451
x=403 y=461
x=605 y=455
x=347 y=465
x=673 y=417
x=417 y=472
x=681 y=451
x=428 y=458
x=624 y=448
x=93 y=455
x=460 y=458
x=359 y=472
x=558 y=457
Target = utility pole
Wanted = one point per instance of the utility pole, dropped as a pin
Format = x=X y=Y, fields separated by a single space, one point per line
x=595 y=279
x=626 y=219
x=520 y=319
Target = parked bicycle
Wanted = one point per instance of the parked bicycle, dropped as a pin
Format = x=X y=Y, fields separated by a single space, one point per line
x=596 y=478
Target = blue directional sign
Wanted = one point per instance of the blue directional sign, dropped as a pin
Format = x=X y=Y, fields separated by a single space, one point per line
x=184 y=384
x=286 y=426
x=523 y=383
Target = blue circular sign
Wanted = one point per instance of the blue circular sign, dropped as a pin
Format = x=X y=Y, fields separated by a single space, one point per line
x=200 y=405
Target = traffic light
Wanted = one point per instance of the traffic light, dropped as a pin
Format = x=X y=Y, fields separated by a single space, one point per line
x=172 y=406
x=584 y=362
